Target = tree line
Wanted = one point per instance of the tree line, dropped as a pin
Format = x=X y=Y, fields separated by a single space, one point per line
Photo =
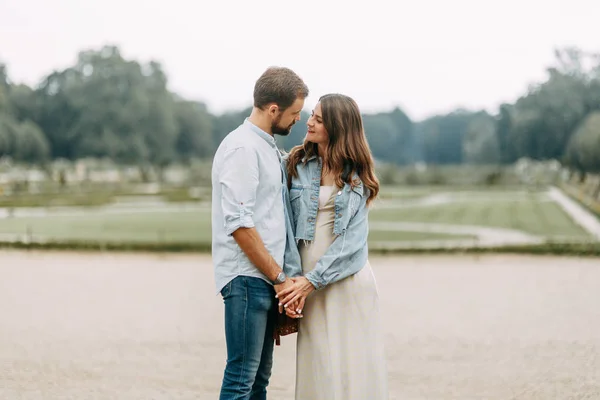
x=106 y=106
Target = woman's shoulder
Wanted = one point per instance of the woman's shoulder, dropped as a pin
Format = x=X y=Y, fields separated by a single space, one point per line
x=358 y=186
x=290 y=156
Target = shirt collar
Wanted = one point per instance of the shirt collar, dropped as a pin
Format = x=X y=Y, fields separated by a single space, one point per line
x=264 y=135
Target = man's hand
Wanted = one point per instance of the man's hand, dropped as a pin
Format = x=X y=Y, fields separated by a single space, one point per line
x=293 y=296
x=290 y=311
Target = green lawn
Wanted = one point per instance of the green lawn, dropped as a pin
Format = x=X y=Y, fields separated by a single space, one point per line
x=385 y=236
x=526 y=214
x=97 y=196
x=184 y=226
x=519 y=210
x=412 y=192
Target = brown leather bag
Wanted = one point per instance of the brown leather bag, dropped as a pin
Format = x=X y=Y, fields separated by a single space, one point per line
x=284 y=325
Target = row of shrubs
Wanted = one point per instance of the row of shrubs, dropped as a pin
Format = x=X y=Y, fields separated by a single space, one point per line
x=549 y=248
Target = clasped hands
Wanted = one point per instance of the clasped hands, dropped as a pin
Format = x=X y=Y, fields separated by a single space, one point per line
x=292 y=294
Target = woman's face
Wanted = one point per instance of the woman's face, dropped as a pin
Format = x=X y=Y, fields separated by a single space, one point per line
x=316 y=130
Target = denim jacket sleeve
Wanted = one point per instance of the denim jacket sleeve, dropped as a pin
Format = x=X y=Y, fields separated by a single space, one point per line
x=239 y=180
x=347 y=254
x=292 y=265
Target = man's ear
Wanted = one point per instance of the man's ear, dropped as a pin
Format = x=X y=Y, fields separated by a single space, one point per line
x=273 y=110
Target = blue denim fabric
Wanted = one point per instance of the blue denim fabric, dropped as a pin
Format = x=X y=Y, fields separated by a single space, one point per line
x=292 y=263
x=250 y=309
x=349 y=252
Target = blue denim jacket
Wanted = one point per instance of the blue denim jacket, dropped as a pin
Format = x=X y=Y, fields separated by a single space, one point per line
x=292 y=265
x=349 y=252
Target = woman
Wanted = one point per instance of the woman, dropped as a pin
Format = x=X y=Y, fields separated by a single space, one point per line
x=332 y=182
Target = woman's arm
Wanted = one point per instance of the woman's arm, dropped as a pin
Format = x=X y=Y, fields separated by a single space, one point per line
x=345 y=256
x=292 y=263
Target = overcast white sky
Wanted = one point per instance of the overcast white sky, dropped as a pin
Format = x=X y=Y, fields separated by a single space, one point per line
x=426 y=56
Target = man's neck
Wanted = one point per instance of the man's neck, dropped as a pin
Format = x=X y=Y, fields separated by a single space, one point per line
x=258 y=118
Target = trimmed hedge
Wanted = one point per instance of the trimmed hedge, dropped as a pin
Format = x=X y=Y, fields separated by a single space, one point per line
x=587 y=249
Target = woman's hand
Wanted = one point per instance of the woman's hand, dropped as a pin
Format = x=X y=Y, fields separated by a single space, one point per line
x=289 y=311
x=296 y=293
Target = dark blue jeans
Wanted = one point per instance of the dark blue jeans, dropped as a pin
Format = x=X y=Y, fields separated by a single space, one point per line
x=250 y=309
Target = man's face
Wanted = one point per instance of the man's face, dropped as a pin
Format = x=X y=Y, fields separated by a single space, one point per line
x=283 y=122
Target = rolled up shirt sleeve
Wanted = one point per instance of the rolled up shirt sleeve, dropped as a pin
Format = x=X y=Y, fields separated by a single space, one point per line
x=239 y=180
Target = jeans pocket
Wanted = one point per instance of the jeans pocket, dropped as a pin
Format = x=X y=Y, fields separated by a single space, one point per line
x=261 y=294
x=258 y=287
x=226 y=291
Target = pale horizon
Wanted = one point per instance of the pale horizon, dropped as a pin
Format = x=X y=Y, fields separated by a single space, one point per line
x=427 y=58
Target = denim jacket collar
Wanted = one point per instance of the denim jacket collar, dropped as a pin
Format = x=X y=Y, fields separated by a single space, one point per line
x=313 y=157
x=359 y=188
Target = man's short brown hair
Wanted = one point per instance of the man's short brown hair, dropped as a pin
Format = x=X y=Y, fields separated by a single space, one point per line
x=279 y=85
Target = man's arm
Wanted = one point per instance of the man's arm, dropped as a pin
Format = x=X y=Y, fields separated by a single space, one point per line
x=239 y=178
x=252 y=245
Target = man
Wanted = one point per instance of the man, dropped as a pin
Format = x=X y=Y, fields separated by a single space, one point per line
x=249 y=231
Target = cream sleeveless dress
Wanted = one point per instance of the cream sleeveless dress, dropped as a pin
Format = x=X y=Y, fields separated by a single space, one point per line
x=340 y=352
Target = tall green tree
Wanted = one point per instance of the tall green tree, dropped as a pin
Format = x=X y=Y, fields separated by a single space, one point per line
x=442 y=137
x=194 y=124
x=583 y=150
x=480 y=143
x=390 y=136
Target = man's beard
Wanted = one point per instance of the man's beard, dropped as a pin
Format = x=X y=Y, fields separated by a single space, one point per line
x=278 y=130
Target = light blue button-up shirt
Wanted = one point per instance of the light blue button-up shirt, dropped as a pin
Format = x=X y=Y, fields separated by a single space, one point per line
x=247 y=191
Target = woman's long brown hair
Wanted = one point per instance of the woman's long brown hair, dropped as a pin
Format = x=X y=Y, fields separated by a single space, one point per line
x=348 y=150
